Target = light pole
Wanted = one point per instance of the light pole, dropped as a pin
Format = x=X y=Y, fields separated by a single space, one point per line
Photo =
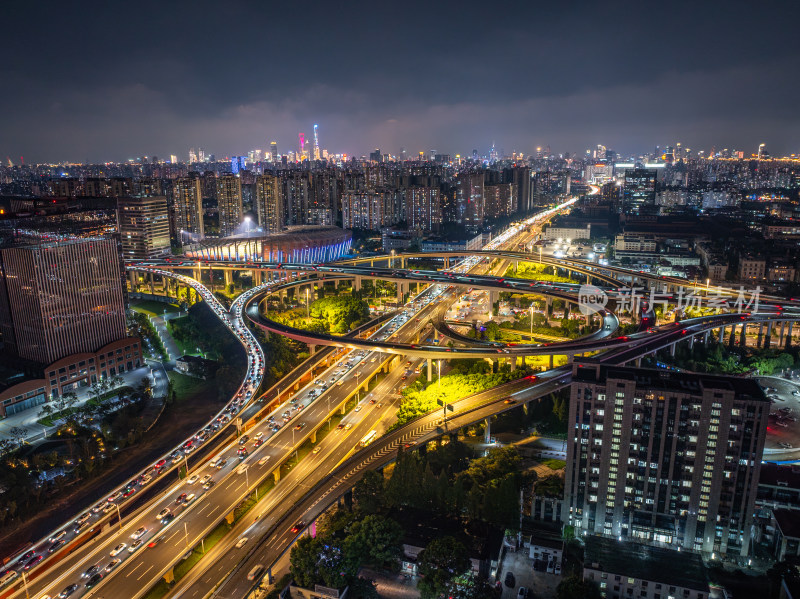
x=25 y=582
x=186 y=535
x=308 y=311
x=119 y=515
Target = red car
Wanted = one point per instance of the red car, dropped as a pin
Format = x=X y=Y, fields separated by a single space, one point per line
x=298 y=527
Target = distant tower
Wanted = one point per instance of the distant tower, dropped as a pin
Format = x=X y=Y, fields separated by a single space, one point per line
x=302 y=145
x=273 y=148
x=316 y=144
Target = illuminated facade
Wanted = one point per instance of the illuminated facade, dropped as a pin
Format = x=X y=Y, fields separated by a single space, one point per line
x=664 y=458
x=310 y=245
x=269 y=203
x=61 y=298
x=188 y=209
x=143 y=225
x=229 y=202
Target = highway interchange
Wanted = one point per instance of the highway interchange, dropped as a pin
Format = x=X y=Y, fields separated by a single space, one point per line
x=177 y=519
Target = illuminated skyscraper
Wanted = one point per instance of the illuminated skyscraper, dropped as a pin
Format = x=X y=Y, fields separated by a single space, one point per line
x=143 y=224
x=269 y=203
x=192 y=156
x=317 y=155
x=273 y=150
x=229 y=202
x=423 y=208
x=639 y=189
x=188 y=209
x=61 y=298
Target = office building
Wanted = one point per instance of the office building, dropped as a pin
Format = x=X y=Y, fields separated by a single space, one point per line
x=143 y=225
x=638 y=189
x=61 y=298
x=273 y=151
x=188 y=206
x=229 y=203
x=664 y=458
x=269 y=203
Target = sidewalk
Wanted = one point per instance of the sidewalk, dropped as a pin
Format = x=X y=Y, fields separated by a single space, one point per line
x=28 y=418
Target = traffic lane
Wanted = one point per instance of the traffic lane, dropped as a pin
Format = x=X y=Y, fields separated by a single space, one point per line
x=215 y=504
x=336 y=448
x=282 y=539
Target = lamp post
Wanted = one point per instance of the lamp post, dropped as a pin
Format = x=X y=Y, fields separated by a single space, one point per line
x=25 y=582
x=186 y=535
x=119 y=515
x=308 y=311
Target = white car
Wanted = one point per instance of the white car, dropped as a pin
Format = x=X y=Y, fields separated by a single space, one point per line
x=192 y=479
x=135 y=545
x=118 y=549
x=140 y=532
x=241 y=542
x=264 y=460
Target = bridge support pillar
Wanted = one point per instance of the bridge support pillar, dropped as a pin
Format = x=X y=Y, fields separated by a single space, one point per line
x=513 y=364
x=357 y=284
x=312 y=349
x=789 y=336
x=276 y=474
x=228 y=276
x=691 y=342
x=672 y=349
x=446 y=262
x=781 y=334
x=743 y=335
x=169 y=576
x=134 y=279
x=229 y=517
x=430 y=370
x=551 y=361
x=494 y=296
x=487 y=432
x=760 y=335
x=732 y=338
x=152 y=283
x=196 y=274
x=768 y=337
x=314 y=437
x=344 y=408
x=705 y=337
x=639 y=362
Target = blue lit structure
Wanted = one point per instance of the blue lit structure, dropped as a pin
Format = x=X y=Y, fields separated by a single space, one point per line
x=308 y=245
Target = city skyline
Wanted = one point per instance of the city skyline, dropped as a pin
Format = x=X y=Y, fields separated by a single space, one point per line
x=619 y=75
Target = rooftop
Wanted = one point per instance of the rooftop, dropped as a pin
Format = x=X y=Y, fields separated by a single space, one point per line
x=788 y=521
x=587 y=371
x=654 y=564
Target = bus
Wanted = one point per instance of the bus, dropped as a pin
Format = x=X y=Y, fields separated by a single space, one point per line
x=368 y=438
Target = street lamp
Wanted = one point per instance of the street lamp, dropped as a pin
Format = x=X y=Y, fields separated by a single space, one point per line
x=308 y=311
x=25 y=582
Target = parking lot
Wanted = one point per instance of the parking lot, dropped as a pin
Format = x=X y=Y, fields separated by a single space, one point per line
x=783 y=430
x=540 y=585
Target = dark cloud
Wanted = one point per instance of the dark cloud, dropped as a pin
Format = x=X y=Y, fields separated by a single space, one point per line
x=113 y=80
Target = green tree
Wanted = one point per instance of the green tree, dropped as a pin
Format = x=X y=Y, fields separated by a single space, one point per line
x=375 y=539
x=575 y=587
x=439 y=563
x=369 y=492
x=303 y=560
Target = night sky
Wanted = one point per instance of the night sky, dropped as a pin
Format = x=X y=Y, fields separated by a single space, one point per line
x=109 y=81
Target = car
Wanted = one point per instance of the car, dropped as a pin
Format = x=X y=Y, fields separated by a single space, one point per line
x=135 y=545
x=221 y=464
x=59 y=535
x=510 y=581
x=91 y=571
x=32 y=562
x=241 y=542
x=298 y=527
x=118 y=549
x=258 y=443
x=69 y=590
x=300 y=426
x=339 y=427
x=205 y=479
x=167 y=519
x=94 y=580
x=522 y=592
x=155 y=541
x=241 y=469
x=189 y=498
x=348 y=426
x=139 y=533
x=55 y=546
x=317 y=449
x=244 y=439
x=163 y=513
x=192 y=479
x=208 y=484
x=785 y=445
x=259 y=434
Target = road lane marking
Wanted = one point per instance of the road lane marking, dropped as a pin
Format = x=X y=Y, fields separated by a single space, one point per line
x=145 y=572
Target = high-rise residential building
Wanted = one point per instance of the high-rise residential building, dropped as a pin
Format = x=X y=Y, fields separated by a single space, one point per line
x=370 y=209
x=143 y=225
x=423 y=208
x=273 y=150
x=192 y=156
x=664 y=458
x=470 y=200
x=269 y=203
x=188 y=206
x=61 y=298
x=499 y=199
x=229 y=202
x=638 y=189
